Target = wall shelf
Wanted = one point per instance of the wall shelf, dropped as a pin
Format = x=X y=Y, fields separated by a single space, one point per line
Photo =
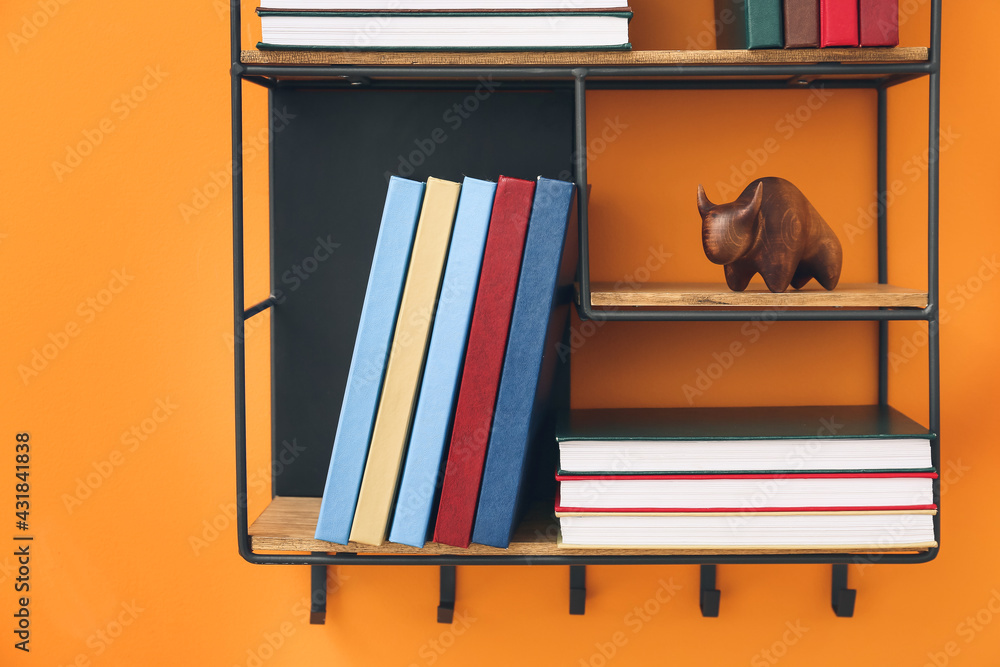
x=312 y=333
x=708 y=295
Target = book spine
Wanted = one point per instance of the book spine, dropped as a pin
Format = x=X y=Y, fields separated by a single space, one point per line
x=406 y=362
x=484 y=359
x=765 y=27
x=525 y=385
x=879 y=22
x=839 y=23
x=801 y=24
x=371 y=351
x=445 y=354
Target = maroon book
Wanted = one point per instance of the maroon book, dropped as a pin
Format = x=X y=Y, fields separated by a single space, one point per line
x=879 y=22
x=477 y=394
x=838 y=20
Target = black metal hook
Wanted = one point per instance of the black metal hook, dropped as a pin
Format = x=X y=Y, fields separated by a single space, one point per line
x=710 y=595
x=843 y=597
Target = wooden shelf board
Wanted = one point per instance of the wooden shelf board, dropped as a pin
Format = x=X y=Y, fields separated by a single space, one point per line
x=701 y=295
x=288 y=524
x=874 y=56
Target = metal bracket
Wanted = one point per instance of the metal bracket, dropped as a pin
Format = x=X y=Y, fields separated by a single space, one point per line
x=843 y=597
x=710 y=595
x=317 y=597
x=446 y=607
x=577 y=589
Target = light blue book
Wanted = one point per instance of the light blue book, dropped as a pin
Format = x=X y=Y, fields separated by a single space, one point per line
x=371 y=352
x=443 y=368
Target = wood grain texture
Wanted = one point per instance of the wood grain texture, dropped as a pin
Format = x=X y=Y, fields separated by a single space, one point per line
x=698 y=295
x=771 y=229
x=588 y=58
x=288 y=524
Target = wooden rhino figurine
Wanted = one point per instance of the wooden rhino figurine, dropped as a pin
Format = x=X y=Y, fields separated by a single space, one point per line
x=772 y=229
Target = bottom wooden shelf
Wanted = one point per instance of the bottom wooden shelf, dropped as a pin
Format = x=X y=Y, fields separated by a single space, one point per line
x=289 y=523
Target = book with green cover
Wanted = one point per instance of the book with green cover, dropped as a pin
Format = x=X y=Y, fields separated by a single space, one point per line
x=749 y=24
x=774 y=440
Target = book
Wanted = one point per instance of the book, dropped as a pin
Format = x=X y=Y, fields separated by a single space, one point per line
x=749 y=24
x=838 y=20
x=854 y=530
x=371 y=351
x=801 y=24
x=879 y=22
x=734 y=440
x=402 y=5
x=466 y=30
x=750 y=492
x=406 y=361
x=541 y=313
x=445 y=354
x=483 y=361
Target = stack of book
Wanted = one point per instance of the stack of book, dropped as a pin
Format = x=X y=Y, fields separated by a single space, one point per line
x=748 y=479
x=468 y=295
x=443 y=24
x=775 y=24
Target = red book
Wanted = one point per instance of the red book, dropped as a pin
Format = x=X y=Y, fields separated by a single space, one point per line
x=879 y=22
x=838 y=21
x=483 y=361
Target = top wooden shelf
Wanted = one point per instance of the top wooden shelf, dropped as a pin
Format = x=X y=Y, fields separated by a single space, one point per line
x=863 y=56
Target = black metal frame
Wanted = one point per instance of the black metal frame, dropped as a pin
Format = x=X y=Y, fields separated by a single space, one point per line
x=580 y=79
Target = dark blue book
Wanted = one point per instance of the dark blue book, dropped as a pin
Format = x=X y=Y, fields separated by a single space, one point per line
x=371 y=353
x=541 y=313
x=443 y=368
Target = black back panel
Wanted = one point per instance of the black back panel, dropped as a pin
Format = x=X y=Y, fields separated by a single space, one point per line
x=331 y=154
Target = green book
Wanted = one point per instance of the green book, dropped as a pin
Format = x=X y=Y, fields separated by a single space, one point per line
x=773 y=440
x=749 y=24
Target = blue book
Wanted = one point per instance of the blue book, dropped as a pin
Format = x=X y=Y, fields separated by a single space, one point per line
x=371 y=352
x=541 y=313
x=442 y=370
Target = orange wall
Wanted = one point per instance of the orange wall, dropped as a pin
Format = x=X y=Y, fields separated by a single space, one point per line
x=128 y=568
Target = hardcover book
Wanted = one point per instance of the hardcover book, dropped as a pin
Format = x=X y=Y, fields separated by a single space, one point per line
x=541 y=312
x=838 y=22
x=371 y=351
x=483 y=361
x=406 y=361
x=749 y=24
x=802 y=24
x=445 y=29
x=879 y=22
x=445 y=354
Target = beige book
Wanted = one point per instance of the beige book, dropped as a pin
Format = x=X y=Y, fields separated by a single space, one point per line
x=406 y=362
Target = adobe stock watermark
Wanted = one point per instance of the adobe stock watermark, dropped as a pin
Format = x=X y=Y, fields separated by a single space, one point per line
x=452 y=118
x=706 y=376
x=57 y=341
x=610 y=131
x=913 y=168
x=773 y=654
x=258 y=483
x=101 y=640
x=278 y=637
x=34 y=21
x=121 y=108
x=958 y=298
x=293 y=278
x=580 y=333
x=131 y=439
x=218 y=180
x=786 y=127
x=966 y=632
x=433 y=649
x=638 y=618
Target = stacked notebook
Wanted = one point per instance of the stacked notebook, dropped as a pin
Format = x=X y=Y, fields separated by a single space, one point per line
x=443 y=24
x=774 y=24
x=468 y=295
x=764 y=479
